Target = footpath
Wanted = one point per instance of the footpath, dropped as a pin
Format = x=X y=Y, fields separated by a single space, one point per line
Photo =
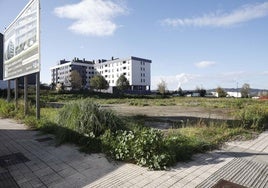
x=31 y=159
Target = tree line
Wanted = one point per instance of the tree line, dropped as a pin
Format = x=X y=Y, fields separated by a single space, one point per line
x=98 y=82
x=163 y=90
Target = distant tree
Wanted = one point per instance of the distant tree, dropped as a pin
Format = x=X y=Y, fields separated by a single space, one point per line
x=245 y=90
x=122 y=83
x=180 y=91
x=98 y=82
x=76 y=80
x=162 y=87
x=221 y=92
x=201 y=91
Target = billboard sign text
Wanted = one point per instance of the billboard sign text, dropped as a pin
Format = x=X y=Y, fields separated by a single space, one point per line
x=21 y=43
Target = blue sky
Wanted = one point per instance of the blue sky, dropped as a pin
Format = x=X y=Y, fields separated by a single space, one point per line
x=192 y=43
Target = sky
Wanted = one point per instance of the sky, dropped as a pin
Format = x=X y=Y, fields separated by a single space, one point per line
x=204 y=44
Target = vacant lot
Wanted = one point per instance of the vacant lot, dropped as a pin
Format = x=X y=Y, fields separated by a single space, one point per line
x=176 y=112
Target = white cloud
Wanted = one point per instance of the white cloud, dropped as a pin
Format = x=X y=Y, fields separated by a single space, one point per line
x=184 y=78
x=243 y=14
x=188 y=81
x=204 y=64
x=92 y=17
x=174 y=81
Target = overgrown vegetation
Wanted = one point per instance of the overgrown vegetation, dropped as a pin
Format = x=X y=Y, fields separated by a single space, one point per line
x=87 y=117
x=145 y=147
x=94 y=129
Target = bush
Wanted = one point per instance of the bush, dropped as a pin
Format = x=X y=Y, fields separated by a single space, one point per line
x=87 y=117
x=7 y=110
x=31 y=121
x=145 y=147
x=253 y=116
x=182 y=148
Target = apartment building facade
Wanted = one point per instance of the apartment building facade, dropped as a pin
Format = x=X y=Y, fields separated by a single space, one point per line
x=136 y=70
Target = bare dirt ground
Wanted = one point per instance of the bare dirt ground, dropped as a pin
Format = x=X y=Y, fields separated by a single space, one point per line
x=164 y=117
x=171 y=111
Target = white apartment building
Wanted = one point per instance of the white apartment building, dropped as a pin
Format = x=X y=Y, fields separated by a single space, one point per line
x=136 y=70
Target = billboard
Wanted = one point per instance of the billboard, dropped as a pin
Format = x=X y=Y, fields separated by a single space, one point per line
x=21 y=43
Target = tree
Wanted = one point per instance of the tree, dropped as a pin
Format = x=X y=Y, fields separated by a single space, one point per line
x=180 y=91
x=245 y=90
x=76 y=80
x=122 y=83
x=221 y=92
x=98 y=82
x=162 y=87
x=201 y=91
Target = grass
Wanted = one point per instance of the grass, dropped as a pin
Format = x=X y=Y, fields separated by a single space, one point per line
x=151 y=100
x=85 y=123
x=214 y=135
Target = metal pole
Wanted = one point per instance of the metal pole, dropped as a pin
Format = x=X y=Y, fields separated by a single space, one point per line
x=8 y=91
x=16 y=91
x=38 y=95
x=25 y=95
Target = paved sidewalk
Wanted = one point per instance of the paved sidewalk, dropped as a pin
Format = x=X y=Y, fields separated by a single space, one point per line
x=30 y=159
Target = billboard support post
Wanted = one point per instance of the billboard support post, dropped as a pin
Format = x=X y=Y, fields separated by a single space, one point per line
x=8 y=91
x=22 y=50
x=37 y=95
x=16 y=91
x=25 y=95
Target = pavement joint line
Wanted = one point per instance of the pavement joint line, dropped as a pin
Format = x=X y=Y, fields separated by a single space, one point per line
x=183 y=174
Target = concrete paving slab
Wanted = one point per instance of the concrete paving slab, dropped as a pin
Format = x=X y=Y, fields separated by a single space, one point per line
x=65 y=166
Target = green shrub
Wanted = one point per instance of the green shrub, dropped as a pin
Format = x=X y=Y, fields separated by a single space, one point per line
x=145 y=147
x=118 y=145
x=149 y=149
x=87 y=117
x=7 y=109
x=31 y=121
x=253 y=116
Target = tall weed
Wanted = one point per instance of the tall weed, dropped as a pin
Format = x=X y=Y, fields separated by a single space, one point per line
x=253 y=116
x=7 y=109
x=87 y=117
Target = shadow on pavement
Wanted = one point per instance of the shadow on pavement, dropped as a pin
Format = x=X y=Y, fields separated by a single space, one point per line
x=44 y=164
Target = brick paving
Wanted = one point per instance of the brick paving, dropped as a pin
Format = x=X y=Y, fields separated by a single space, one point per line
x=47 y=165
